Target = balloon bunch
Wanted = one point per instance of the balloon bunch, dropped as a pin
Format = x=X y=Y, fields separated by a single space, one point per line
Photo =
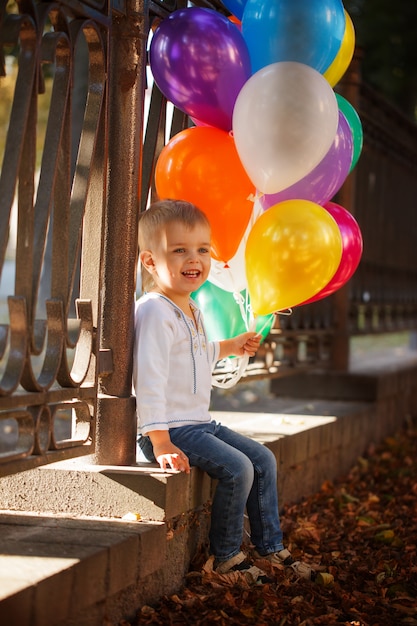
x=271 y=146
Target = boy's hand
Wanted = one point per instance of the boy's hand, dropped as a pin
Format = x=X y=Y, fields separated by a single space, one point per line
x=171 y=457
x=249 y=343
x=246 y=343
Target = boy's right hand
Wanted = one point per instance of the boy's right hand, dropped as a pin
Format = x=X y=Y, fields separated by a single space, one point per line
x=169 y=456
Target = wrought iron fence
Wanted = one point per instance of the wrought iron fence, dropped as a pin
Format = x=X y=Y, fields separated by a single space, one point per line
x=384 y=289
x=51 y=212
x=68 y=228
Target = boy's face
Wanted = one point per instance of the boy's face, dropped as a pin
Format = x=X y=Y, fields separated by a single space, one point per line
x=179 y=260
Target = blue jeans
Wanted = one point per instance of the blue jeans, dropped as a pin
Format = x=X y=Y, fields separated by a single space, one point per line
x=246 y=472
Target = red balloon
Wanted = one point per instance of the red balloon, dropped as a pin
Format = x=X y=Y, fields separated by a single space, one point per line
x=201 y=165
x=352 y=247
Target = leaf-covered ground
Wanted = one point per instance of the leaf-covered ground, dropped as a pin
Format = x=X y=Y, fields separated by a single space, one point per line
x=362 y=529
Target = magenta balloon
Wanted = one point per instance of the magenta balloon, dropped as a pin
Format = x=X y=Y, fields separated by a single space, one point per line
x=352 y=246
x=325 y=180
x=200 y=62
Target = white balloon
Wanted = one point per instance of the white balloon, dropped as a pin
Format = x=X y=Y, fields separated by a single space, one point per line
x=284 y=121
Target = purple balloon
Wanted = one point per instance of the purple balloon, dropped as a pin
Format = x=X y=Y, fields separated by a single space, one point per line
x=200 y=62
x=325 y=180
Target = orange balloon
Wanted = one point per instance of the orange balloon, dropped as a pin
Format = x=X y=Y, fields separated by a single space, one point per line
x=235 y=20
x=201 y=165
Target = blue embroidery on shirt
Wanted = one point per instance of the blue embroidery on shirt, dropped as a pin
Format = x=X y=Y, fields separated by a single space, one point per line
x=183 y=317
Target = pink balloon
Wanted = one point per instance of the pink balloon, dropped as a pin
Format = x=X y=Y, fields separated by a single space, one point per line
x=325 y=180
x=352 y=246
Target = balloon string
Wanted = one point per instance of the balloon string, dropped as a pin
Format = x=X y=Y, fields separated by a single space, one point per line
x=268 y=321
x=243 y=308
x=231 y=378
x=243 y=304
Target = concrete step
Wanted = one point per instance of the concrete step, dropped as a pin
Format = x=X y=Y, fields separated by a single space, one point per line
x=366 y=384
x=77 y=488
x=52 y=569
x=313 y=441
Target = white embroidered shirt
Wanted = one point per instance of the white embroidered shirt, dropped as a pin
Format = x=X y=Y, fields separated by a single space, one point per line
x=172 y=365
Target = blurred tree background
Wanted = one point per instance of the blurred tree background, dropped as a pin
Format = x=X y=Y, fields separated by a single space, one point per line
x=387 y=33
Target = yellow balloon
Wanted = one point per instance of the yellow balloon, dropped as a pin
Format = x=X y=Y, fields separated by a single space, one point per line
x=343 y=58
x=293 y=251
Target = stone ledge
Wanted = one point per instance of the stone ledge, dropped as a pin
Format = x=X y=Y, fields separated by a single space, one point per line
x=313 y=442
x=79 y=489
x=366 y=386
x=51 y=568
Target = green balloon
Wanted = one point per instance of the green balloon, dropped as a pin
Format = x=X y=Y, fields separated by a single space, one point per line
x=355 y=125
x=222 y=313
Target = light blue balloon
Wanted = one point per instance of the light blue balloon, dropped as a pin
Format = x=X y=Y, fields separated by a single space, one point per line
x=307 y=31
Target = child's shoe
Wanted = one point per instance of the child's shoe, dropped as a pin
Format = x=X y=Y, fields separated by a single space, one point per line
x=239 y=563
x=284 y=559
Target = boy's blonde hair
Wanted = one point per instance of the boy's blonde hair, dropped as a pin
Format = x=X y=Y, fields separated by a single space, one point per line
x=159 y=215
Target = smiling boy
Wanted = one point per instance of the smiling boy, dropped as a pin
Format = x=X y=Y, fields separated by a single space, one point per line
x=173 y=365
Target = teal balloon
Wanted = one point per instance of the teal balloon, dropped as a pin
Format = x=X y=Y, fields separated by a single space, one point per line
x=355 y=124
x=306 y=31
x=222 y=315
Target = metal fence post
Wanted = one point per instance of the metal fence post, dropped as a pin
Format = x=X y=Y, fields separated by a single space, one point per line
x=349 y=88
x=116 y=421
